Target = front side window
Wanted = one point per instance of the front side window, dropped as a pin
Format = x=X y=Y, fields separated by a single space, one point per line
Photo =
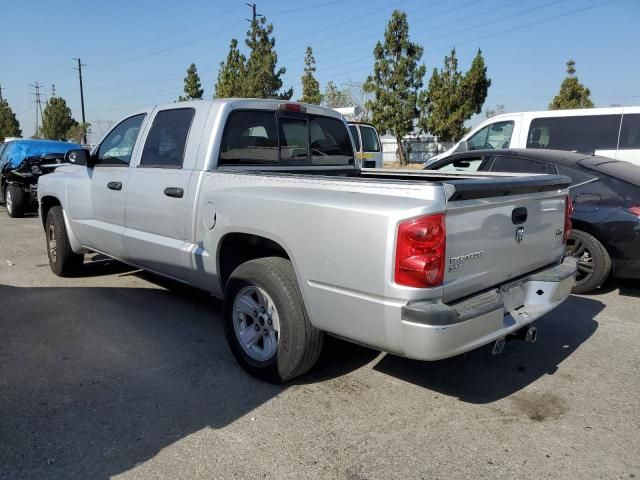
x=630 y=132
x=496 y=135
x=356 y=137
x=167 y=138
x=258 y=137
x=521 y=165
x=461 y=165
x=369 y=139
x=584 y=134
x=117 y=147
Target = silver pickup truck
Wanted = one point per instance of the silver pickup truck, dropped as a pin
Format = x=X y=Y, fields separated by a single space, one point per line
x=262 y=203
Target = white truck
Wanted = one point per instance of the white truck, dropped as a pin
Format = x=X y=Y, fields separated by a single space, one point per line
x=260 y=202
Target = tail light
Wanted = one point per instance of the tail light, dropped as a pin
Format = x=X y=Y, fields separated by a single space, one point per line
x=568 y=212
x=292 y=107
x=420 y=252
x=634 y=210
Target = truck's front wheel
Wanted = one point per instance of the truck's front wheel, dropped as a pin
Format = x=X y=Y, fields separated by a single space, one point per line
x=266 y=323
x=62 y=260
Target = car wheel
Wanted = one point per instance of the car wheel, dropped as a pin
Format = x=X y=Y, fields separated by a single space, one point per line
x=594 y=262
x=266 y=323
x=62 y=260
x=14 y=199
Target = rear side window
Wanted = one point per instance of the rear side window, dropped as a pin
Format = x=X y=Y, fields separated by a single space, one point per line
x=521 y=165
x=630 y=132
x=576 y=176
x=584 y=134
x=356 y=137
x=369 y=139
x=267 y=138
x=167 y=139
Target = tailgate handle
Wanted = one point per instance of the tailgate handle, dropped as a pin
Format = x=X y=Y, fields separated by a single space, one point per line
x=519 y=215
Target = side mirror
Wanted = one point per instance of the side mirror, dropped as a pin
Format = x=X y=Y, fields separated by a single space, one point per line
x=78 y=157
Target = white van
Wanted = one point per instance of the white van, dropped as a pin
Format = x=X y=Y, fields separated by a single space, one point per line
x=611 y=132
x=367 y=142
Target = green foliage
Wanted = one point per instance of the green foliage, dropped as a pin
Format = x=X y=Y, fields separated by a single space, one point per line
x=56 y=119
x=396 y=82
x=262 y=79
x=192 y=87
x=335 y=97
x=310 y=86
x=9 y=125
x=452 y=97
x=232 y=74
x=572 y=93
x=78 y=132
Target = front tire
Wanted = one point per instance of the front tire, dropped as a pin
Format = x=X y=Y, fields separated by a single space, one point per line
x=14 y=199
x=266 y=323
x=594 y=262
x=62 y=260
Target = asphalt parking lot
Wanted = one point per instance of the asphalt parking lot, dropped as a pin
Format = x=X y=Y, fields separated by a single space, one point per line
x=117 y=374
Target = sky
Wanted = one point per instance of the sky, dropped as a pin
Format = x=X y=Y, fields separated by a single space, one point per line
x=136 y=52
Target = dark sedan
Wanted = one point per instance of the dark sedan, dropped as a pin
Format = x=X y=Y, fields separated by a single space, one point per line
x=606 y=196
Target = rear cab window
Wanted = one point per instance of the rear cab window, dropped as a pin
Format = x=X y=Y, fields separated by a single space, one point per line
x=265 y=137
x=584 y=134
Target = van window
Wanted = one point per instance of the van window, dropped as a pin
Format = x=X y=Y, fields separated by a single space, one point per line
x=356 y=137
x=259 y=137
x=369 y=139
x=167 y=138
x=493 y=136
x=521 y=165
x=630 y=132
x=584 y=134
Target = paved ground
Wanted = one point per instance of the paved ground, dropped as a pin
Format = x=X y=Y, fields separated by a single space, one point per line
x=118 y=374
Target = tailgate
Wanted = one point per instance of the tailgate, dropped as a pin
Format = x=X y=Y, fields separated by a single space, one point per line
x=499 y=232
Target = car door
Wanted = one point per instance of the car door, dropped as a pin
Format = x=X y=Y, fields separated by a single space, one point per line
x=156 y=198
x=96 y=195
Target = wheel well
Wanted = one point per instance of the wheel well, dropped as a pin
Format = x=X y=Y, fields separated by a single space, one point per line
x=237 y=248
x=45 y=205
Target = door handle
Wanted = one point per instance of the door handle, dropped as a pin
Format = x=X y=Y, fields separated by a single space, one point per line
x=114 y=185
x=174 y=192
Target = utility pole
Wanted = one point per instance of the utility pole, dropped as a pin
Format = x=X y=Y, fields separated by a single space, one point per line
x=38 y=101
x=84 y=122
x=255 y=15
x=1 y=93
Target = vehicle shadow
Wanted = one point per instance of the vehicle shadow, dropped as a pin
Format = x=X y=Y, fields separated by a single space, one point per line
x=628 y=287
x=479 y=377
x=94 y=381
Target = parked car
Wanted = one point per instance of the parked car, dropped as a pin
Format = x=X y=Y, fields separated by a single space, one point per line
x=367 y=143
x=606 y=198
x=610 y=132
x=260 y=202
x=22 y=162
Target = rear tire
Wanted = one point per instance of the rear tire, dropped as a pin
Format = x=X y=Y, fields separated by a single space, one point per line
x=62 y=260
x=594 y=262
x=14 y=199
x=263 y=302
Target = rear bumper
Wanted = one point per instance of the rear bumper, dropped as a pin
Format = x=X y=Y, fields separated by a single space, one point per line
x=432 y=331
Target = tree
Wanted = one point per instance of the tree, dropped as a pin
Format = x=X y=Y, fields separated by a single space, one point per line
x=572 y=93
x=499 y=109
x=9 y=125
x=396 y=82
x=232 y=74
x=452 y=98
x=310 y=86
x=78 y=132
x=262 y=79
x=335 y=97
x=192 y=87
x=56 y=119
